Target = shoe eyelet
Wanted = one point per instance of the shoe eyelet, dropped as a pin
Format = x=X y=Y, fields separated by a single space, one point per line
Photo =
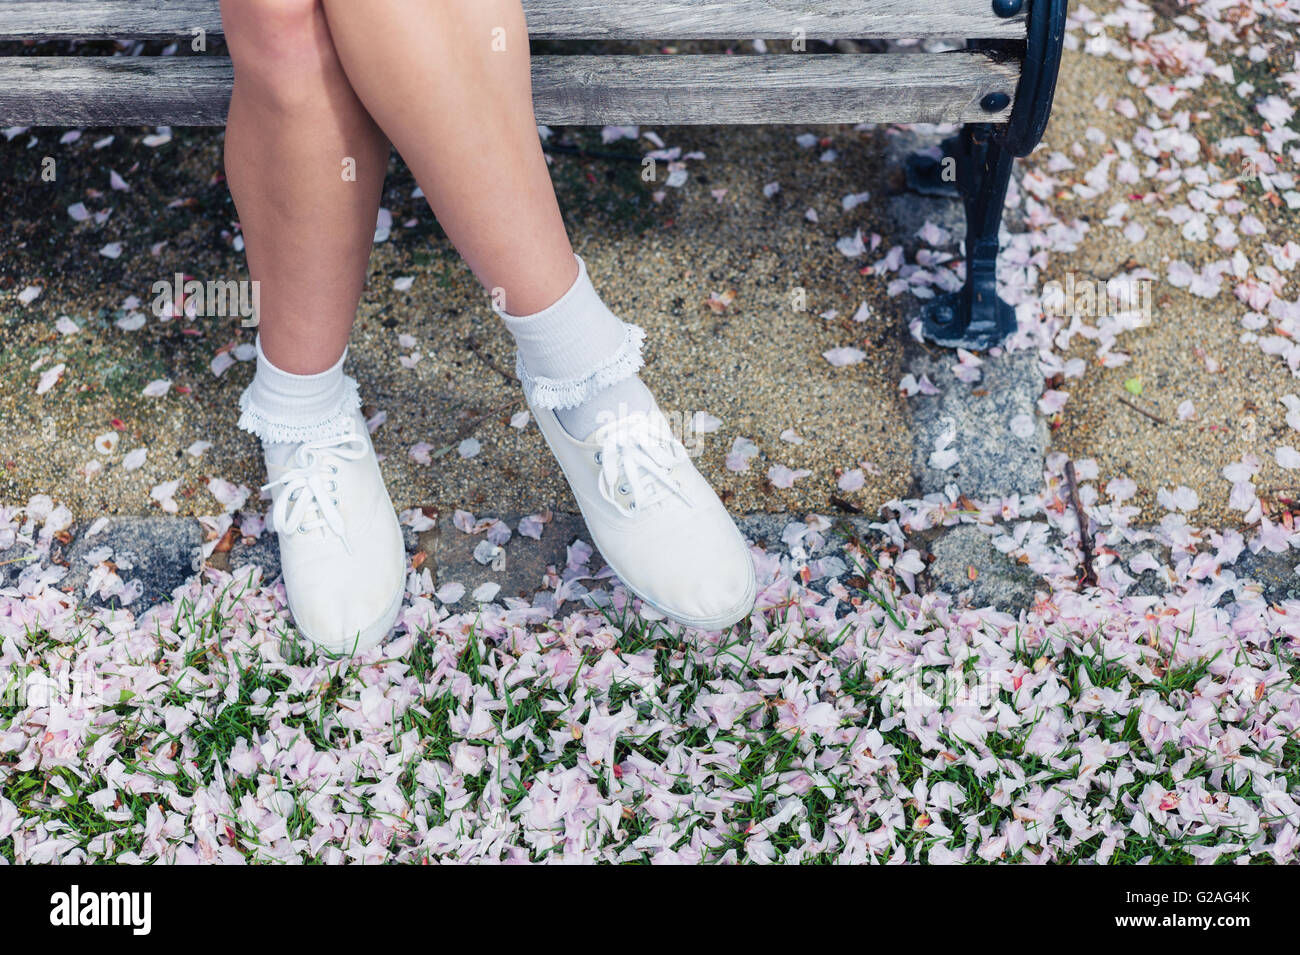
x=334 y=501
x=632 y=506
x=333 y=486
x=333 y=469
x=302 y=530
x=598 y=457
x=624 y=490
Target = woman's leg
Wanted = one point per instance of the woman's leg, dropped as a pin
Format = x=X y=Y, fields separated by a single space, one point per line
x=450 y=84
x=295 y=134
x=306 y=164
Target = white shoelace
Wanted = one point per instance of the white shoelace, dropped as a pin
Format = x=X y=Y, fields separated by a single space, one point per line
x=308 y=500
x=636 y=461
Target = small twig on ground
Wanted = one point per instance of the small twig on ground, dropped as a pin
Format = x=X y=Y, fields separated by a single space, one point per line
x=1154 y=417
x=487 y=359
x=844 y=505
x=1089 y=578
x=469 y=427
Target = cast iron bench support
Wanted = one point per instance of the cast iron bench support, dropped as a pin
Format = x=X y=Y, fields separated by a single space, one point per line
x=983 y=155
x=975 y=317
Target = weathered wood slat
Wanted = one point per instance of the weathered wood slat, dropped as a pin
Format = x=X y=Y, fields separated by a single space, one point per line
x=114 y=90
x=576 y=90
x=562 y=19
x=678 y=90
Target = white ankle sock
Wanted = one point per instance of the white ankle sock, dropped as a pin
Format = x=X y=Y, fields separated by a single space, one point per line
x=580 y=359
x=283 y=408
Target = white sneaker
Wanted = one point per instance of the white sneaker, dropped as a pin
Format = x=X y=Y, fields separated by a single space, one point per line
x=656 y=520
x=341 y=548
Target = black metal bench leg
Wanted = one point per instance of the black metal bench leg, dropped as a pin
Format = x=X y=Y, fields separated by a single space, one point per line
x=975 y=318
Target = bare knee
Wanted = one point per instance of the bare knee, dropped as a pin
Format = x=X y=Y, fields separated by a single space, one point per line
x=281 y=50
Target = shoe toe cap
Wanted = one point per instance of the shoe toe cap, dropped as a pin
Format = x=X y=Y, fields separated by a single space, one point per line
x=717 y=600
x=338 y=621
x=338 y=605
x=709 y=583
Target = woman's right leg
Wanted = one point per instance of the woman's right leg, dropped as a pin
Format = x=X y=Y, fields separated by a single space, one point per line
x=305 y=164
x=295 y=135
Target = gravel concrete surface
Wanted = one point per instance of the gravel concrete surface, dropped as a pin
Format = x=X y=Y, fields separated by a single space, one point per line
x=756 y=363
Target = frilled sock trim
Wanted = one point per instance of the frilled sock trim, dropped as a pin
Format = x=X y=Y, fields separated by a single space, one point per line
x=274 y=430
x=561 y=393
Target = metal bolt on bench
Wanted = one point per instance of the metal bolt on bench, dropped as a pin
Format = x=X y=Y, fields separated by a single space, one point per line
x=999 y=87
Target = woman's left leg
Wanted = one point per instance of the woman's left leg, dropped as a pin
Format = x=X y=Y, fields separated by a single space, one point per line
x=449 y=83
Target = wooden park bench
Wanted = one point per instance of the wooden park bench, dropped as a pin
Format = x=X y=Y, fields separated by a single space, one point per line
x=999 y=87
